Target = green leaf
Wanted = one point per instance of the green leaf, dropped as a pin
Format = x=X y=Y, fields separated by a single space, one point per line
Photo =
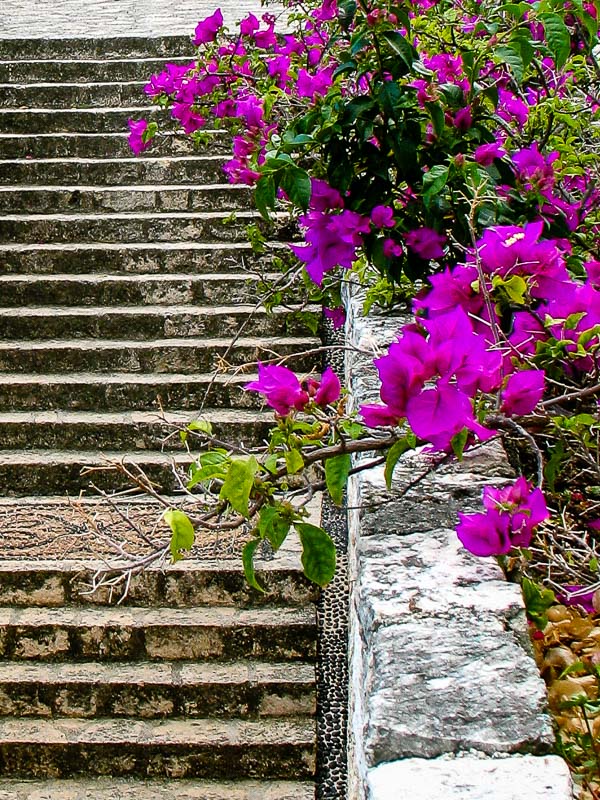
x=458 y=443
x=511 y=56
x=273 y=525
x=238 y=484
x=201 y=425
x=438 y=118
x=182 y=532
x=396 y=450
x=248 y=563
x=212 y=465
x=537 y=602
x=558 y=38
x=318 y=553
x=401 y=47
x=296 y=184
x=337 y=470
x=293 y=461
x=433 y=183
x=264 y=195
x=270 y=463
x=553 y=465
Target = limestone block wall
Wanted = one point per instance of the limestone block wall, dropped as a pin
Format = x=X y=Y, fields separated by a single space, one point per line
x=446 y=702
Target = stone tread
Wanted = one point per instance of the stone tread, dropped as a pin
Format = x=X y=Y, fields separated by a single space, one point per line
x=124 y=789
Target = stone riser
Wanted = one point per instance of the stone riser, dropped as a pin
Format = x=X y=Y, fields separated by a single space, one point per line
x=109 y=394
x=125 y=291
x=144 y=258
x=161 y=47
x=154 y=170
x=224 y=634
x=209 y=199
x=108 y=145
x=93 y=71
x=141 y=323
x=33 y=431
x=177 y=356
x=76 y=121
x=60 y=96
x=128 y=228
x=155 y=761
x=181 y=586
x=151 y=699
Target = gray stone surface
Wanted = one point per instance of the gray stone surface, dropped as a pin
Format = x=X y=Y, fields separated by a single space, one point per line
x=471 y=778
x=97 y=18
x=440 y=659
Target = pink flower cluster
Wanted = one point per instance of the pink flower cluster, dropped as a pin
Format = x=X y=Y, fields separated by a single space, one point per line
x=284 y=392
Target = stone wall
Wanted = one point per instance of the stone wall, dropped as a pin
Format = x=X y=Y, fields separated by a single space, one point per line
x=446 y=699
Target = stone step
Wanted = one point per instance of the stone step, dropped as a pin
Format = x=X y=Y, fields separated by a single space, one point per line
x=64 y=70
x=133 y=431
x=144 y=322
x=50 y=199
x=142 y=257
x=128 y=290
x=157 y=690
x=90 y=120
x=62 y=473
x=72 y=95
x=144 y=47
x=231 y=749
x=90 y=391
x=97 y=145
x=164 y=355
x=200 y=169
x=118 y=634
x=188 y=583
x=127 y=789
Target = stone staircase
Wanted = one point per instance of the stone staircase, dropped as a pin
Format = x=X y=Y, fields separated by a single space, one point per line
x=122 y=284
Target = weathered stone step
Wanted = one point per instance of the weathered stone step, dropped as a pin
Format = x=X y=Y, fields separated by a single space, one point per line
x=164 y=355
x=49 y=199
x=65 y=70
x=135 y=258
x=126 y=290
x=127 y=789
x=157 y=690
x=97 y=145
x=58 y=473
x=200 y=169
x=87 y=120
x=117 y=634
x=136 y=430
x=90 y=391
x=159 y=47
x=214 y=749
x=144 y=322
x=72 y=95
x=186 y=584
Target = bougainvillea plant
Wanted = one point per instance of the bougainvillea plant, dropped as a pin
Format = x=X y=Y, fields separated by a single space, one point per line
x=444 y=154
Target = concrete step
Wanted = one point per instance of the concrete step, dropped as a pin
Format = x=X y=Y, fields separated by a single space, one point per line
x=65 y=70
x=157 y=634
x=127 y=789
x=213 y=749
x=200 y=169
x=62 y=473
x=180 y=356
x=128 y=290
x=90 y=391
x=72 y=95
x=134 y=258
x=117 y=48
x=87 y=120
x=144 y=322
x=132 y=431
x=98 y=145
x=51 y=199
x=157 y=690
x=187 y=584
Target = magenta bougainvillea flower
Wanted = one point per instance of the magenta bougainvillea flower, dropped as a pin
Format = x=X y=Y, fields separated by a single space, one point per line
x=136 y=136
x=383 y=217
x=523 y=391
x=510 y=517
x=585 y=600
x=426 y=243
x=207 y=29
x=284 y=392
x=337 y=316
